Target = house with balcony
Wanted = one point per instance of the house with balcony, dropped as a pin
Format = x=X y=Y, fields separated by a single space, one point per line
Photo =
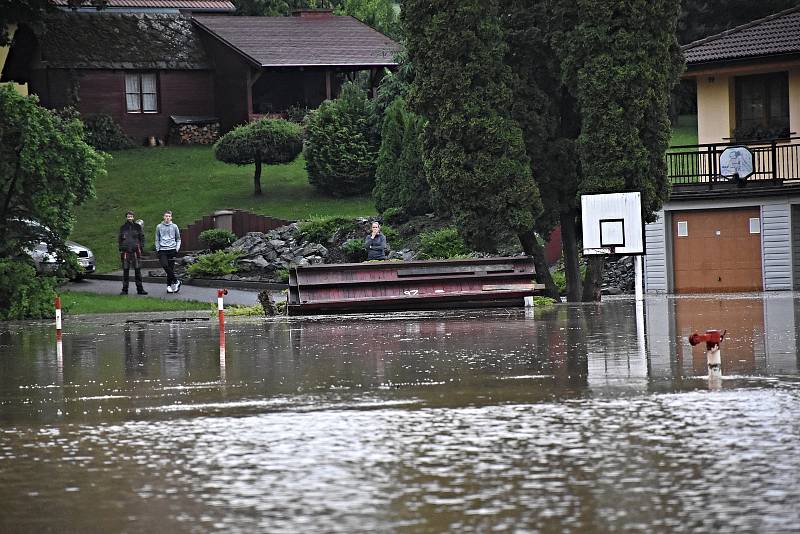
x=732 y=222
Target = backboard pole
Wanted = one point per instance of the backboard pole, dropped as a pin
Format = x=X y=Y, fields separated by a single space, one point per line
x=639 y=286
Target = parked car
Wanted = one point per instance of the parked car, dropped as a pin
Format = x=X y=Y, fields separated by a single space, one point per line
x=48 y=262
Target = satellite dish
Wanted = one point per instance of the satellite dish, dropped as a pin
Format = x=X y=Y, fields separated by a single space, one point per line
x=736 y=162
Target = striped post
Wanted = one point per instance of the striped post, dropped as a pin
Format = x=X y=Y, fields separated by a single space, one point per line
x=58 y=318
x=221 y=313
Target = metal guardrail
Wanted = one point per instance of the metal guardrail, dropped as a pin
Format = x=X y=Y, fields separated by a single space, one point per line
x=774 y=161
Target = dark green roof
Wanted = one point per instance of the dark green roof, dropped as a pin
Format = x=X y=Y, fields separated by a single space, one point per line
x=121 y=41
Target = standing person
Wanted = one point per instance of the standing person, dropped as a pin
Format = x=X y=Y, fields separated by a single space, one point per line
x=131 y=244
x=375 y=243
x=168 y=243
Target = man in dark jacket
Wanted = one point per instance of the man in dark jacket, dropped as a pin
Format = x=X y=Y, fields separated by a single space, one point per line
x=131 y=244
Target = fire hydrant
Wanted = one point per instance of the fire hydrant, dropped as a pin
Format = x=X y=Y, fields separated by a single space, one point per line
x=712 y=339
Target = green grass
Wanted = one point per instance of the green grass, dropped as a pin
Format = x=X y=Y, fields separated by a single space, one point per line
x=78 y=302
x=191 y=183
x=684 y=131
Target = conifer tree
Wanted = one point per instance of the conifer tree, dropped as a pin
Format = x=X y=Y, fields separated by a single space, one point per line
x=474 y=153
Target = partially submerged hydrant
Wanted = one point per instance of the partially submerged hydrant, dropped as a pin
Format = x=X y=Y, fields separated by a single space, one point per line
x=712 y=339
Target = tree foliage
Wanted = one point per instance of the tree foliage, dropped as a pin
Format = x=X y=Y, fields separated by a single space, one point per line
x=46 y=168
x=381 y=15
x=31 y=12
x=400 y=180
x=474 y=153
x=342 y=144
x=621 y=61
x=267 y=141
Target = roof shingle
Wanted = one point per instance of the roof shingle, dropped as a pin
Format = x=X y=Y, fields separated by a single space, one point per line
x=778 y=34
x=303 y=41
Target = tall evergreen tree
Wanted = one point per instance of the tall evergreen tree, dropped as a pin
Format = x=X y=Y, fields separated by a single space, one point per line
x=474 y=153
x=548 y=115
x=622 y=59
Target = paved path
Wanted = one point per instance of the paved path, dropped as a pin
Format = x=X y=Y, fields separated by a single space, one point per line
x=202 y=294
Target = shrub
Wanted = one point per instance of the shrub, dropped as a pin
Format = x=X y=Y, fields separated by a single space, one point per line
x=394 y=215
x=23 y=294
x=215 y=264
x=105 y=134
x=217 y=239
x=354 y=250
x=442 y=244
x=560 y=280
x=342 y=144
x=400 y=177
x=269 y=141
x=282 y=274
x=297 y=114
x=321 y=230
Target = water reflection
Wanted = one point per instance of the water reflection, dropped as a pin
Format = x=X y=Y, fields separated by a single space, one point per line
x=574 y=420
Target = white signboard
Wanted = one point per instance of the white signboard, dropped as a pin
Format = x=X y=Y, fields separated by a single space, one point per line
x=612 y=224
x=736 y=160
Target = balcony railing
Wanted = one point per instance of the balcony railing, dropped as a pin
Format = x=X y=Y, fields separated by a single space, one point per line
x=774 y=162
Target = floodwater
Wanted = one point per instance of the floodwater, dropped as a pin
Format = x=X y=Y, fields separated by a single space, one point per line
x=566 y=420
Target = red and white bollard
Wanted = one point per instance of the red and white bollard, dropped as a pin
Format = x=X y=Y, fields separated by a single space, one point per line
x=58 y=317
x=712 y=339
x=221 y=313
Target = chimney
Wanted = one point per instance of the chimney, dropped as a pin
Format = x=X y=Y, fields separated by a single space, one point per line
x=313 y=13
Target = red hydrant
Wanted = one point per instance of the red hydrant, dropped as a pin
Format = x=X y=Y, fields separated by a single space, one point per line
x=712 y=339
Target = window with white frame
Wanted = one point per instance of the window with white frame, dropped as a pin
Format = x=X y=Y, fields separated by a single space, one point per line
x=141 y=92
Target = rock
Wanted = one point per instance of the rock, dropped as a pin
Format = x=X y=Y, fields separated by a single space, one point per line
x=277 y=243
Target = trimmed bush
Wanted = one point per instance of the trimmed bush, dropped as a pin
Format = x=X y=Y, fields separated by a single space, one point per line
x=103 y=133
x=442 y=244
x=215 y=264
x=23 y=294
x=342 y=144
x=321 y=230
x=354 y=250
x=217 y=239
x=268 y=141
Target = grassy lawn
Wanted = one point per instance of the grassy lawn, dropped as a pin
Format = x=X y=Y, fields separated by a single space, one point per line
x=78 y=302
x=191 y=183
x=684 y=131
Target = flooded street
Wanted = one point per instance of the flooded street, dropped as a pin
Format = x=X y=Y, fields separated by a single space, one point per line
x=567 y=420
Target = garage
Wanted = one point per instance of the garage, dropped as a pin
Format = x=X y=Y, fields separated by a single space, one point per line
x=717 y=250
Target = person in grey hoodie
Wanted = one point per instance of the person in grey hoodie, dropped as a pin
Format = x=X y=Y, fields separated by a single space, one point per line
x=168 y=243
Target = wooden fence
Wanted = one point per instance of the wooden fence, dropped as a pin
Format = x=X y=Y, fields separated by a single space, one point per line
x=241 y=222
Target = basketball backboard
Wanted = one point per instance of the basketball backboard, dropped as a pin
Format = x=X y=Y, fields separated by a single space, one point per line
x=612 y=224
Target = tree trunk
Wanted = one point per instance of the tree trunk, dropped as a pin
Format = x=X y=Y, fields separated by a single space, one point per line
x=569 y=242
x=532 y=248
x=594 y=278
x=257 y=177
